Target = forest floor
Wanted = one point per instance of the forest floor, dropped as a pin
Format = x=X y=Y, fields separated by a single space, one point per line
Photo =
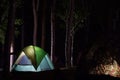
x=64 y=74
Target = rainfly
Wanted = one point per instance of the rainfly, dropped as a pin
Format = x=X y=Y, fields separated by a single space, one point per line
x=33 y=58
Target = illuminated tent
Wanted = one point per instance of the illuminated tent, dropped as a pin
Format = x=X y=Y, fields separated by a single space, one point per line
x=33 y=58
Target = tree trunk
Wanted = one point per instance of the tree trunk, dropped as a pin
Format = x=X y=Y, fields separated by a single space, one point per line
x=9 y=38
x=22 y=36
x=35 y=15
x=28 y=23
x=68 y=41
x=72 y=47
x=53 y=29
x=43 y=24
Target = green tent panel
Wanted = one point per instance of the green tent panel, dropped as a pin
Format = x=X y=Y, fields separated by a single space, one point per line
x=33 y=58
x=40 y=54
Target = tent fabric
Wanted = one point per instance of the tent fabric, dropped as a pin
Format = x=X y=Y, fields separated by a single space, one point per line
x=33 y=58
x=23 y=59
x=45 y=64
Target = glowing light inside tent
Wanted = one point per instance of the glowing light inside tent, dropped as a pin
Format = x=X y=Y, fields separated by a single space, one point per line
x=22 y=54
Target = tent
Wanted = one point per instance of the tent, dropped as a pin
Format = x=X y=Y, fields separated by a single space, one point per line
x=33 y=59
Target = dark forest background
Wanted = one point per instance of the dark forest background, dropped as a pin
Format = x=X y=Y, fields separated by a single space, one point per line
x=68 y=30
